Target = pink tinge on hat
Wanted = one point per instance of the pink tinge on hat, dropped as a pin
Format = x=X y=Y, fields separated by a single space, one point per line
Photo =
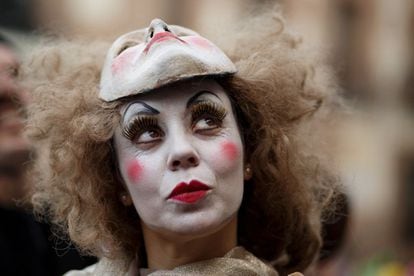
x=146 y=59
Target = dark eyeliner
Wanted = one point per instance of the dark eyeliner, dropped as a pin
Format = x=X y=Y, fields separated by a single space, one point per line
x=138 y=125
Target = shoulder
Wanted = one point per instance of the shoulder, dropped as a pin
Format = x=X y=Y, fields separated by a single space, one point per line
x=106 y=267
x=87 y=271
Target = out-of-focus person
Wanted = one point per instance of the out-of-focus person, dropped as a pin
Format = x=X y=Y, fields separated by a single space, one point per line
x=23 y=244
x=14 y=148
x=27 y=247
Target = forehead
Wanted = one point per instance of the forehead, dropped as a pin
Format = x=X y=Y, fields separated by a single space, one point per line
x=178 y=95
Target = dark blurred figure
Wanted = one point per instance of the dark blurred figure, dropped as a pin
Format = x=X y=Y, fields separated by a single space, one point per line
x=14 y=149
x=27 y=247
x=23 y=246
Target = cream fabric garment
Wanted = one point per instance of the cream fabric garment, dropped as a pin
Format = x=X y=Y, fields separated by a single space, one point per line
x=237 y=261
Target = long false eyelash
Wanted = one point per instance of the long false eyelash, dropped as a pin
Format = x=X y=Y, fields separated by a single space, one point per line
x=210 y=108
x=138 y=124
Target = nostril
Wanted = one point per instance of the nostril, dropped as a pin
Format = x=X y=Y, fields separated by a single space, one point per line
x=176 y=163
x=167 y=29
x=192 y=160
x=151 y=33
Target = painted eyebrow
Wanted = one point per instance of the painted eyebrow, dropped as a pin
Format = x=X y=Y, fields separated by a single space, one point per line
x=193 y=99
x=149 y=109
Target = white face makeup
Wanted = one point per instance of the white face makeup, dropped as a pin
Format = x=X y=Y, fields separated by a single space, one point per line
x=180 y=155
x=149 y=58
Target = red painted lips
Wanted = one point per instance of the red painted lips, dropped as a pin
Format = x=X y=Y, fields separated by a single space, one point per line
x=189 y=193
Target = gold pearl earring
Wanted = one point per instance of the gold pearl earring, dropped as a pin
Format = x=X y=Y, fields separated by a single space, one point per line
x=126 y=199
x=248 y=173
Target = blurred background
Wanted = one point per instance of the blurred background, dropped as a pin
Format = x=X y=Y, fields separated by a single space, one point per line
x=368 y=43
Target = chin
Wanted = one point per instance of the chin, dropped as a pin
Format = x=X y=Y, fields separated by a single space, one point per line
x=195 y=225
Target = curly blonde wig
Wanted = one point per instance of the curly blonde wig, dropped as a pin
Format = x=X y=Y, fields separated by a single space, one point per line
x=281 y=97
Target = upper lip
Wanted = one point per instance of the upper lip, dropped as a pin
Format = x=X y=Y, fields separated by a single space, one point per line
x=158 y=36
x=193 y=186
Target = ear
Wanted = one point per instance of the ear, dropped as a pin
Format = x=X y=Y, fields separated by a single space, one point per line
x=248 y=173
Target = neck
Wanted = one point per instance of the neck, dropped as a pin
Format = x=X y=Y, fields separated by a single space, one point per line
x=167 y=253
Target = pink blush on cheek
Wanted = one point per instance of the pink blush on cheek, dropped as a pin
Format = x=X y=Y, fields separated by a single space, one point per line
x=230 y=150
x=134 y=171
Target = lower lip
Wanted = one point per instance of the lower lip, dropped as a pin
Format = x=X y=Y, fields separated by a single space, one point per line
x=191 y=197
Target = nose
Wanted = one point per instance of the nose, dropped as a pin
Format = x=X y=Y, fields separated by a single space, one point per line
x=183 y=155
x=156 y=26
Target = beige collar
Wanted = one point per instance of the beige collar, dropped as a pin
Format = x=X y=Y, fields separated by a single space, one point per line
x=237 y=261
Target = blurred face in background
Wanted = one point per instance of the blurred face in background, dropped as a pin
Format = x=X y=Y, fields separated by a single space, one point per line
x=14 y=148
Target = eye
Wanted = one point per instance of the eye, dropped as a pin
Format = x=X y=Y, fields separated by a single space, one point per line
x=207 y=117
x=12 y=71
x=143 y=131
x=207 y=123
x=148 y=136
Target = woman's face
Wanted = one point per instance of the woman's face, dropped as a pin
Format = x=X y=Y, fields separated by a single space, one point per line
x=181 y=157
